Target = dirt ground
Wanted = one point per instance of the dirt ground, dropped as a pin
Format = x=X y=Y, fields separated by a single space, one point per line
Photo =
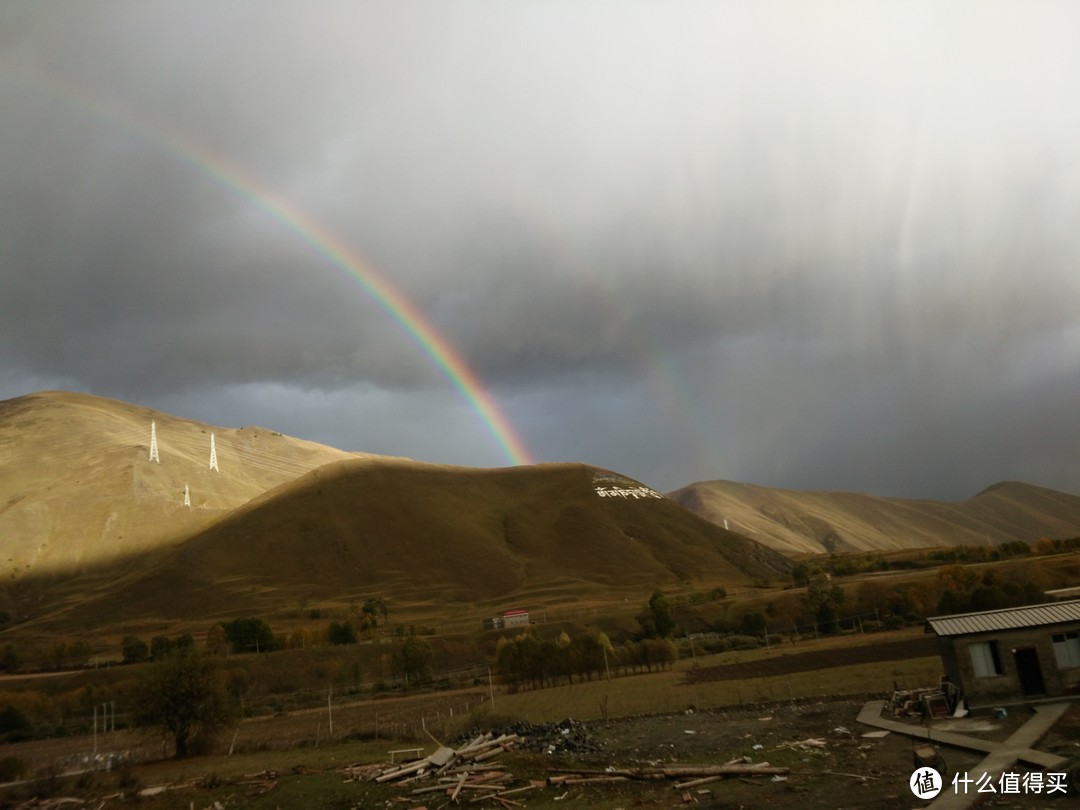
x=840 y=769
x=832 y=765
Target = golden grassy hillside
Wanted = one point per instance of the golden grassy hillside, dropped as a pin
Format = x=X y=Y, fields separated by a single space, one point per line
x=77 y=486
x=98 y=538
x=411 y=533
x=817 y=522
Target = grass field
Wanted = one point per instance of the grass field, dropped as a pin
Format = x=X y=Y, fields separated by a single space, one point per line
x=399 y=718
x=665 y=692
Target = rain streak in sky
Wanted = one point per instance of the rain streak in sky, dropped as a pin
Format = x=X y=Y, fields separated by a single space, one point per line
x=811 y=245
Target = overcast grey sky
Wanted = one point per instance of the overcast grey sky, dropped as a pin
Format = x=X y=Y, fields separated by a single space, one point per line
x=814 y=245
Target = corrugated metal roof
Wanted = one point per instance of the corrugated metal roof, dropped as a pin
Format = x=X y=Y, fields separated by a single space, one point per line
x=988 y=621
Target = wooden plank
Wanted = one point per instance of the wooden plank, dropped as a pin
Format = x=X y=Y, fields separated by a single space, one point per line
x=441 y=756
x=457 y=790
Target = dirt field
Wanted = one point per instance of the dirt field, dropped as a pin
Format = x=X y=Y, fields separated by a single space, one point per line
x=847 y=771
x=817 y=660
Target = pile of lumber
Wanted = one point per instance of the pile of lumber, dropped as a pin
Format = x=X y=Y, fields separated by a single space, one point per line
x=464 y=773
x=447 y=759
x=478 y=786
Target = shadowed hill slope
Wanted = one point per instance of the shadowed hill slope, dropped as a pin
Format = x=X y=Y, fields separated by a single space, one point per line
x=412 y=532
x=818 y=522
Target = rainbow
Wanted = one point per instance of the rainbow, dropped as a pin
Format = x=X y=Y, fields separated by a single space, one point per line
x=339 y=255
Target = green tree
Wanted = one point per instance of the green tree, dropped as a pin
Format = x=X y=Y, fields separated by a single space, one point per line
x=14 y=725
x=249 y=635
x=657 y=620
x=160 y=647
x=988 y=597
x=182 y=696
x=753 y=624
x=508 y=663
x=414 y=661
x=827 y=620
x=823 y=600
x=801 y=573
x=587 y=655
x=134 y=650
x=370 y=608
x=217 y=643
x=10 y=661
x=343 y=633
x=951 y=602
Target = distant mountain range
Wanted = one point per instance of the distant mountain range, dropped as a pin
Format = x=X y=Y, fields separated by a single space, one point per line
x=823 y=522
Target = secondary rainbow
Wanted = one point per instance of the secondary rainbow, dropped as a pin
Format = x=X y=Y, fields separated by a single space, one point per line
x=391 y=300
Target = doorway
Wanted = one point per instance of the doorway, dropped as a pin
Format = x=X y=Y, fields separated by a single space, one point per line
x=1027 y=667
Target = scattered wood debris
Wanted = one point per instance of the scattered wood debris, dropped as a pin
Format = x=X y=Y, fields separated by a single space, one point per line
x=445 y=759
x=157 y=790
x=259 y=783
x=686 y=776
x=803 y=745
x=465 y=774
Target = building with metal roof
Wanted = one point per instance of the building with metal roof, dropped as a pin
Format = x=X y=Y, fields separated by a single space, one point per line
x=988 y=621
x=1012 y=655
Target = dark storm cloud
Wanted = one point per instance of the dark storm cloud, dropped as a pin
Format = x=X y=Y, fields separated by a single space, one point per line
x=818 y=244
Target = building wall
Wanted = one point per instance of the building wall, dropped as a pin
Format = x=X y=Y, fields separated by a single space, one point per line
x=516 y=619
x=1006 y=688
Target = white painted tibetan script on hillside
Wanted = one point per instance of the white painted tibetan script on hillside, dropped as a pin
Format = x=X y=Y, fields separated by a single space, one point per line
x=613 y=485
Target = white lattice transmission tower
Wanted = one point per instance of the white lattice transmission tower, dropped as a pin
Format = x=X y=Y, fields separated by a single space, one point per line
x=187 y=496
x=213 y=454
x=153 y=443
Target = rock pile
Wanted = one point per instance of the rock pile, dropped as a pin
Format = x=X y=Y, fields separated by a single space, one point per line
x=565 y=737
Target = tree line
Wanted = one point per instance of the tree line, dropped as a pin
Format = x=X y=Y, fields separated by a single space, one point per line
x=527 y=661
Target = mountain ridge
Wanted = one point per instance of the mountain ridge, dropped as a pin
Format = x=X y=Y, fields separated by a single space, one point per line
x=98 y=534
x=103 y=535
x=808 y=522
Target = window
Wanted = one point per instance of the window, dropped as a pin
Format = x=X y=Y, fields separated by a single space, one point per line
x=1067 y=649
x=984 y=658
